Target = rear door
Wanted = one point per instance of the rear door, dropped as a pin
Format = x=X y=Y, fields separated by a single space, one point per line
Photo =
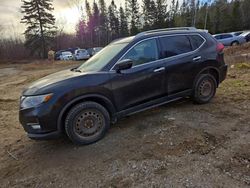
x=182 y=59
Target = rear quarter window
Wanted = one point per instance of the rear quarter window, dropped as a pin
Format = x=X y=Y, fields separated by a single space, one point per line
x=175 y=45
x=196 y=41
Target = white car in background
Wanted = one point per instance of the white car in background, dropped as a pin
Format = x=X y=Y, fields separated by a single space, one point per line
x=66 y=56
x=229 y=39
x=96 y=50
x=246 y=35
x=81 y=54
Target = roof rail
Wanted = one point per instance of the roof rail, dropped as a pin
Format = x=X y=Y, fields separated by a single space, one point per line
x=165 y=29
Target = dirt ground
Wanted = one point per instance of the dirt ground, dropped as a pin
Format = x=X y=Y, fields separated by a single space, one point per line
x=176 y=145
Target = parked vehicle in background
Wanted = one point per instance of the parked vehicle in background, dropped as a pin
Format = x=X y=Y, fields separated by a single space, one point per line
x=93 y=51
x=96 y=50
x=229 y=39
x=246 y=35
x=128 y=76
x=73 y=50
x=90 y=51
x=65 y=56
x=58 y=54
x=81 y=54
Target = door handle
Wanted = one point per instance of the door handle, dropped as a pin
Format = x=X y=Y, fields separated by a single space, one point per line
x=197 y=58
x=159 y=69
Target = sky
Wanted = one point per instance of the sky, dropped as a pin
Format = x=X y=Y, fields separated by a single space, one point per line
x=66 y=14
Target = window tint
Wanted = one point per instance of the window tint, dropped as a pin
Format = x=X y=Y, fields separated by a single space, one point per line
x=226 y=36
x=218 y=37
x=196 y=41
x=143 y=52
x=238 y=33
x=175 y=45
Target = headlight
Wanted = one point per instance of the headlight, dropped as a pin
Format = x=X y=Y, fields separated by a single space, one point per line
x=33 y=101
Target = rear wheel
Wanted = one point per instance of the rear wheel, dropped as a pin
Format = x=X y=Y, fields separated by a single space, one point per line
x=205 y=89
x=235 y=43
x=87 y=123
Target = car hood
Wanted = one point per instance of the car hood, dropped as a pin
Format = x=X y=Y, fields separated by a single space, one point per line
x=51 y=79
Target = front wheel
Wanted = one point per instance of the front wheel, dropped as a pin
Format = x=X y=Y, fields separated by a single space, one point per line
x=87 y=123
x=204 y=89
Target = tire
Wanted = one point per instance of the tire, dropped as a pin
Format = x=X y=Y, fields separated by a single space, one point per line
x=87 y=123
x=235 y=43
x=204 y=89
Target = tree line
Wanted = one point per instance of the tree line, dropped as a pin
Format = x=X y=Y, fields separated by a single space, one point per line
x=100 y=23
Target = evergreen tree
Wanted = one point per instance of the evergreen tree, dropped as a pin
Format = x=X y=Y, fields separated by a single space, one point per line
x=236 y=23
x=81 y=32
x=134 y=16
x=88 y=9
x=173 y=13
x=181 y=20
x=161 y=14
x=149 y=14
x=96 y=24
x=221 y=16
x=81 y=29
x=192 y=7
x=201 y=16
x=123 y=27
x=245 y=6
x=103 y=23
x=89 y=27
x=113 y=21
x=40 y=23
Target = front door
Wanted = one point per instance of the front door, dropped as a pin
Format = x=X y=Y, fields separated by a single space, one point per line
x=145 y=81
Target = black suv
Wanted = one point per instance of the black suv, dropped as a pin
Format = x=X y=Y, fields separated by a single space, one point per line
x=129 y=75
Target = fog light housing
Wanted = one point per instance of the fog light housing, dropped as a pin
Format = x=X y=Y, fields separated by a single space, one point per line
x=34 y=126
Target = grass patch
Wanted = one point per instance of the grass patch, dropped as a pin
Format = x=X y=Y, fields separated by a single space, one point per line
x=243 y=66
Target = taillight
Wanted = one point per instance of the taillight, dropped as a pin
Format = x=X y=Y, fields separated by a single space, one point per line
x=220 y=47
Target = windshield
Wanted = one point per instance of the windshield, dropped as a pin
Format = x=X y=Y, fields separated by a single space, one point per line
x=102 y=58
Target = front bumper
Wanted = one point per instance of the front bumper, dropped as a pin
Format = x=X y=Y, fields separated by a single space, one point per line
x=40 y=122
x=45 y=136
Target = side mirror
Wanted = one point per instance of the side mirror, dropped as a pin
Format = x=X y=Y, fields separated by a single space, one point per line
x=123 y=65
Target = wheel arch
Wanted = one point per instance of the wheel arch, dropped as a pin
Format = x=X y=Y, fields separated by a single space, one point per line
x=102 y=100
x=235 y=41
x=209 y=70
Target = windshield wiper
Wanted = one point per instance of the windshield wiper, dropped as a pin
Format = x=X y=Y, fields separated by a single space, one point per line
x=75 y=70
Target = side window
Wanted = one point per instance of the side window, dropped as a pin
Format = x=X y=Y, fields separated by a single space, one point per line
x=175 y=45
x=143 y=52
x=227 y=36
x=196 y=41
x=218 y=37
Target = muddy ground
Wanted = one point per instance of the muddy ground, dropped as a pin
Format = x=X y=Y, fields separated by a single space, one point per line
x=176 y=145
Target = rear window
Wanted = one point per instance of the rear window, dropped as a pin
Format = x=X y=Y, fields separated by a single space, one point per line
x=175 y=45
x=196 y=41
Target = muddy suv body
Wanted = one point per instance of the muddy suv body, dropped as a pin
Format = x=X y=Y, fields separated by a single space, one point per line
x=128 y=76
